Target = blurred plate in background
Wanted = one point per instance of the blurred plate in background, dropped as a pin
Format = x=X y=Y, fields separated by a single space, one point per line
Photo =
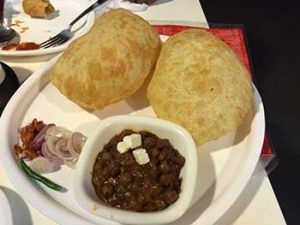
x=41 y=29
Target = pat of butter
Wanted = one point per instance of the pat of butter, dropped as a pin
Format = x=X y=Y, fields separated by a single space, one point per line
x=122 y=147
x=133 y=140
x=141 y=156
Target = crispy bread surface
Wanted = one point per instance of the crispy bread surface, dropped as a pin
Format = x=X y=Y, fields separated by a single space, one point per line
x=201 y=84
x=110 y=62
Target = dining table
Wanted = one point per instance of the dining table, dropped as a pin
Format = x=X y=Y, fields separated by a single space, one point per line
x=257 y=204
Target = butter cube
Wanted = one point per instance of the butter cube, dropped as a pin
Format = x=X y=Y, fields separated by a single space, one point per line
x=122 y=147
x=141 y=156
x=133 y=140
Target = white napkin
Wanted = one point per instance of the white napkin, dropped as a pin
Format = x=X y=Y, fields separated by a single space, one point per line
x=134 y=7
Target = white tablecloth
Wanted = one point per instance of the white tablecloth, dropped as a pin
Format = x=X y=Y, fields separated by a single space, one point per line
x=256 y=205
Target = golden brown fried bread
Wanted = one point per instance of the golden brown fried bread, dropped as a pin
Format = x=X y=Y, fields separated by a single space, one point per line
x=38 y=8
x=110 y=62
x=200 y=83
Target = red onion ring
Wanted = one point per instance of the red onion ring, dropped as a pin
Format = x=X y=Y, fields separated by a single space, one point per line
x=49 y=155
x=64 y=144
x=71 y=147
x=37 y=142
x=78 y=141
x=61 y=149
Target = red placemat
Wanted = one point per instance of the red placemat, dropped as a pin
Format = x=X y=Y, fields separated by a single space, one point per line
x=234 y=38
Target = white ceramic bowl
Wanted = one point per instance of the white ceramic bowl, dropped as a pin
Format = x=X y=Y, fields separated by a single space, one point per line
x=108 y=128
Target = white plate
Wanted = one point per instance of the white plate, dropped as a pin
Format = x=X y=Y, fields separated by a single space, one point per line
x=5 y=211
x=225 y=165
x=38 y=30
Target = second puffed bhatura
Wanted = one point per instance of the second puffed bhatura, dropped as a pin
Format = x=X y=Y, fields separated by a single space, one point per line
x=201 y=84
x=110 y=62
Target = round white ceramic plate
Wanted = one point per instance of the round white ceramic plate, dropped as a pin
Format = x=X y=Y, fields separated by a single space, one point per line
x=225 y=165
x=5 y=211
x=38 y=30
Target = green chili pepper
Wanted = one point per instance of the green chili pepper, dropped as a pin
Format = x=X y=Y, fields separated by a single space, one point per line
x=40 y=178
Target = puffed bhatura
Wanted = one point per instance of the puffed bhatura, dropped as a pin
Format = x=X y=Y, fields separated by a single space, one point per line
x=201 y=84
x=110 y=62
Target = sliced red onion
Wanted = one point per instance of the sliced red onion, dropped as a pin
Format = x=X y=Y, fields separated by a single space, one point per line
x=71 y=163
x=57 y=132
x=42 y=165
x=61 y=149
x=49 y=155
x=37 y=142
x=54 y=134
x=78 y=141
x=71 y=147
x=64 y=145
